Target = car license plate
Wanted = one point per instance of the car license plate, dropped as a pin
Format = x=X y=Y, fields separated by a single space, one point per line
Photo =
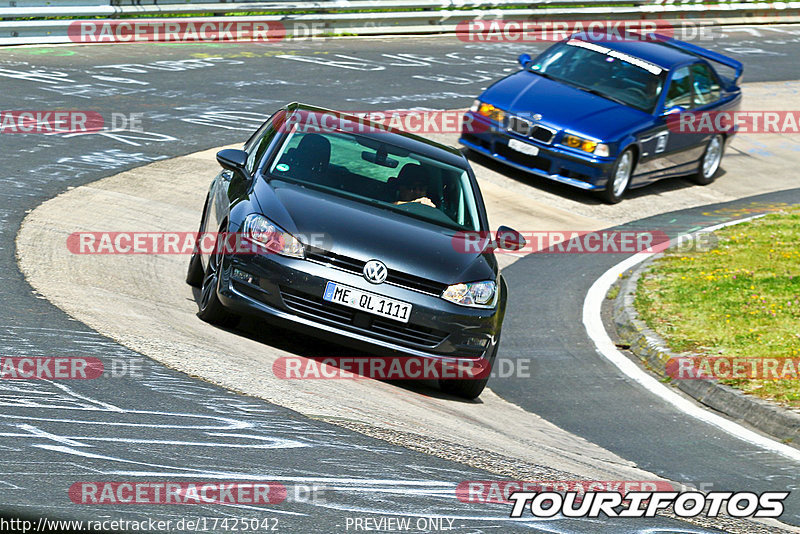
x=368 y=302
x=525 y=148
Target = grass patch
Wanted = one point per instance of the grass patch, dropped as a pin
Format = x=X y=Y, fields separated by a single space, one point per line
x=740 y=299
x=613 y=292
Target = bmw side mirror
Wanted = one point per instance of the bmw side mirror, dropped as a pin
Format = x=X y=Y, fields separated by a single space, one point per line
x=524 y=59
x=509 y=239
x=232 y=159
x=673 y=110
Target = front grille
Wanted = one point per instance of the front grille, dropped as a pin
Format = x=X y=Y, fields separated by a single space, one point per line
x=526 y=128
x=321 y=310
x=335 y=260
x=408 y=332
x=535 y=162
x=519 y=126
x=355 y=266
x=542 y=133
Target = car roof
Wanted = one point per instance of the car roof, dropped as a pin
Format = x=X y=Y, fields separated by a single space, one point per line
x=393 y=136
x=653 y=51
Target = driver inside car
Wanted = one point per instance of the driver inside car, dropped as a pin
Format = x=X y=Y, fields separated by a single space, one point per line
x=412 y=186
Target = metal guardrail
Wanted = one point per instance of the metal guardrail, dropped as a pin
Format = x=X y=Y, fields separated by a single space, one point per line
x=389 y=16
x=110 y=9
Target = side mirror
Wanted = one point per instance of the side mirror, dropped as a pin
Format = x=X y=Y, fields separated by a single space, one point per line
x=673 y=110
x=524 y=59
x=509 y=239
x=232 y=159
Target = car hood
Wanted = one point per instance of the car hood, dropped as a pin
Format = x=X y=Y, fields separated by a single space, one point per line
x=367 y=232
x=563 y=106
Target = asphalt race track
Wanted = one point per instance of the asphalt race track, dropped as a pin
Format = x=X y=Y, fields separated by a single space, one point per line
x=161 y=424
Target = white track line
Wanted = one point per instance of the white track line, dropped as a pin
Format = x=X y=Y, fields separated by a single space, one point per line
x=606 y=347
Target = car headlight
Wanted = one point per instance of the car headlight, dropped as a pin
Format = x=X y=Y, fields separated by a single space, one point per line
x=587 y=145
x=489 y=111
x=474 y=294
x=272 y=237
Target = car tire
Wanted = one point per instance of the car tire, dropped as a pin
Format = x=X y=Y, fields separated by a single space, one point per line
x=467 y=388
x=620 y=177
x=195 y=273
x=211 y=309
x=194 y=276
x=710 y=162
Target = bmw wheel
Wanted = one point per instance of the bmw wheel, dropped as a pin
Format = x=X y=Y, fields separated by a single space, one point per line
x=620 y=178
x=709 y=164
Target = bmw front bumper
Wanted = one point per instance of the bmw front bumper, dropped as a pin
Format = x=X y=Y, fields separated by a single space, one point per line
x=553 y=162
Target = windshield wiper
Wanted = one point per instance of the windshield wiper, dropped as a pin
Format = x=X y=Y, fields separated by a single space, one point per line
x=601 y=94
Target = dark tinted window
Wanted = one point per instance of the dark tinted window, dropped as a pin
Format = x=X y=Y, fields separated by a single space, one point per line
x=680 y=90
x=706 y=86
x=387 y=176
x=257 y=145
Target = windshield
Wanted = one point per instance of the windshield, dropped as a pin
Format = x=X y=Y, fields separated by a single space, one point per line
x=369 y=170
x=613 y=75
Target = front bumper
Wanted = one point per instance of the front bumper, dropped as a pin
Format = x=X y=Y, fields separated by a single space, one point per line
x=288 y=292
x=553 y=162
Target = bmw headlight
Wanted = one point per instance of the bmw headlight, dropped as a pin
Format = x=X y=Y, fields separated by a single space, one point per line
x=489 y=111
x=587 y=145
x=272 y=237
x=473 y=294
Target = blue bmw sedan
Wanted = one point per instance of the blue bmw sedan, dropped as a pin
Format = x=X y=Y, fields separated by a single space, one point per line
x=600 y=114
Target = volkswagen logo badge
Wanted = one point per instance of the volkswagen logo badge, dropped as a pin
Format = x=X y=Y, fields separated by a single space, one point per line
x=537 y=117
x=375 y=272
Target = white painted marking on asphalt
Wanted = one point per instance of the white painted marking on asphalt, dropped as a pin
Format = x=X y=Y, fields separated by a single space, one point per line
x=39 y=433
x=73 y=393
x=593 y=322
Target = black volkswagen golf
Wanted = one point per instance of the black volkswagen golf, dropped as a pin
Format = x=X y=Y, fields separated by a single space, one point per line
x=357 y=235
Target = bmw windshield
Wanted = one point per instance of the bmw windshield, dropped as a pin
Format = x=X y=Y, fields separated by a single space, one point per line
x=594 y=68
x=369 y=170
